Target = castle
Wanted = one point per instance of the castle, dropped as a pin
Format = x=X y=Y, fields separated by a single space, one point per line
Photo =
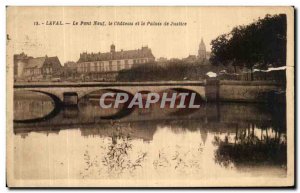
x=109 y=63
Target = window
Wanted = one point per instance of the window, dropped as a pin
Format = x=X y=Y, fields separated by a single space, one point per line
x=87 y=67
x=110 y=66
x=101 y=66
x=95 y=67
x=118 y=65
x=126 y=64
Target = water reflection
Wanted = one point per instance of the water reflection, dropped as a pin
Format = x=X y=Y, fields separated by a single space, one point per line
x=31 y=105
x=218 y=140
x=34 y=106
x=251 y=146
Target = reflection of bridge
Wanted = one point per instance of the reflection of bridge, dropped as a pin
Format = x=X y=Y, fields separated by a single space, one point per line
x=210 y=115
x=63 y=90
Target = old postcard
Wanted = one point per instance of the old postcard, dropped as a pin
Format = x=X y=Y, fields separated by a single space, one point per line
x=150 y=96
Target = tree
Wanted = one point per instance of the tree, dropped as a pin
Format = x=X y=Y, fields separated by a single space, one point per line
x=260 y=44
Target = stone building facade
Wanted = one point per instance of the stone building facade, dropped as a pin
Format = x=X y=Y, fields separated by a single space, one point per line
x=107 y=65
x=40 y=68
x=20 y=61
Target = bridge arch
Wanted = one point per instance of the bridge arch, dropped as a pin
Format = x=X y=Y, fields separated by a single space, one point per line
x=57 y=108
x=124 y=111
x=199 y=100
x=115 y=90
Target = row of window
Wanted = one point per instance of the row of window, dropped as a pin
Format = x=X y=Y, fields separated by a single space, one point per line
x=102 y=69
x=139 y=61
x=98 y=66
x=48 y=70
x=35 y=71
x=98 y=63
x=87 y=67
x=32 y=71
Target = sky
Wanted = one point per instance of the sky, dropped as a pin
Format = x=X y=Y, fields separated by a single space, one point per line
x=68 y=41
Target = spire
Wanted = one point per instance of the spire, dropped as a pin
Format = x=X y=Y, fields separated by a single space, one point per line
x=202 y=45
x=112 y=48
x=202 y=50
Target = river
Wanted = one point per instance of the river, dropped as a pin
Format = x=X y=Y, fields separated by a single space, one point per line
x=217 y=141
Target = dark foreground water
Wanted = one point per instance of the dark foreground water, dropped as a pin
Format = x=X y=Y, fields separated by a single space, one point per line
x=217 y=141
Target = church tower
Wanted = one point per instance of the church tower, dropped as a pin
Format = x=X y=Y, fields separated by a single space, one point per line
x=202 y=50
x=112 y=48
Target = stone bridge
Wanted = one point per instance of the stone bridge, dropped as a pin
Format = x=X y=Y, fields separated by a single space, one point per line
x=61 y=90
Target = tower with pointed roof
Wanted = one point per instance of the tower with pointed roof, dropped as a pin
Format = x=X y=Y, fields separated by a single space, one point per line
x=112 y=48
x=202 y=50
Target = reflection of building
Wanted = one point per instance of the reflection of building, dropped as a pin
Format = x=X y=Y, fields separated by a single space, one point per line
x=25 y=134
x=136 y=132
x=101 y=64
x=203 y=133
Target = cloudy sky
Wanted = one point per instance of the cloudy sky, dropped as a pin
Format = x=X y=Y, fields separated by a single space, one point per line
x=68 y=41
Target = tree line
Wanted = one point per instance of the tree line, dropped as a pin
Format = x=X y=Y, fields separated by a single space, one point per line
x=171 y=71
x=260 y=44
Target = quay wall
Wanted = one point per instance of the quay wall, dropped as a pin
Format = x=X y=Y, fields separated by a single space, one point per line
x=244 y=91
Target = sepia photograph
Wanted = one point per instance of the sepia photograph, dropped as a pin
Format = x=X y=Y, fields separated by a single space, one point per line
x=150 y=96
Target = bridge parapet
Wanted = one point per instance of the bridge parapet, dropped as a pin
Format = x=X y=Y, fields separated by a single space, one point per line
x=245 y=91
x=106 y=84
x=63 y=90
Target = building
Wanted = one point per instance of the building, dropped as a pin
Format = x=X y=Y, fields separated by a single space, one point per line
x=20 y=60
x=107 y=65
x=202 y=56
x=190 y=59
x=42 y=68
x=70 y=65
x=202 y=51
x=162 y=60
x=69 y=71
